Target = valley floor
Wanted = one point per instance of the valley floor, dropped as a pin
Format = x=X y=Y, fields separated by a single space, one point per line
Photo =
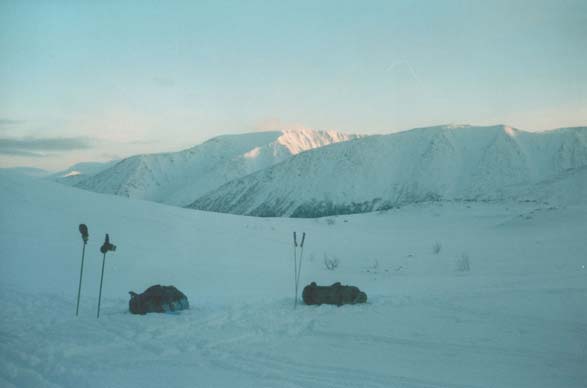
x=516 y=318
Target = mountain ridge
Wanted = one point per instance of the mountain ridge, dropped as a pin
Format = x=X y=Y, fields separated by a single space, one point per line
x=382 y=171
x=177 y=178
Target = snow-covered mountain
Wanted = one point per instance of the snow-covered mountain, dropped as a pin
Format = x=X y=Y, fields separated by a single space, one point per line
x=178 y=178
x=80 y=171
x=425 y=164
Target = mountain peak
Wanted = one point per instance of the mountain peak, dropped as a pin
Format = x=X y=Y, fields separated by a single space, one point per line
x=177 y=178
x=298 y=140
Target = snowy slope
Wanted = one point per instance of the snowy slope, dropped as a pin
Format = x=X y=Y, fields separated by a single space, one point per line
x=426 y=164
x=515 y=319
x=28 y=171
x=179 y=177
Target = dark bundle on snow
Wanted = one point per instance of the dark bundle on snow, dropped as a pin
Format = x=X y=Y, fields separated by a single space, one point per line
x=335 y=294
x=157 y=299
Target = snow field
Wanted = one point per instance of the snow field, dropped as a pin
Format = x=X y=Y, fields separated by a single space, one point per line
x=517 y=318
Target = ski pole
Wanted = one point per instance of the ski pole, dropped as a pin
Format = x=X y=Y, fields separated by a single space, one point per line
x=101 y=281
x=83 y=229
x=106 y=247
x=295 y=270
x=301 y=259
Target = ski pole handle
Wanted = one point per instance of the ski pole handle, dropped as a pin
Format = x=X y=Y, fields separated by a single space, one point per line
x=83 y=229
x=303 y=238
x=107 y=246
x=295 y=240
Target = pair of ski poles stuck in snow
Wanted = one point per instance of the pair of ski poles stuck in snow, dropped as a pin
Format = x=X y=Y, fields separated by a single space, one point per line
x=298 y=264
x=105 y=248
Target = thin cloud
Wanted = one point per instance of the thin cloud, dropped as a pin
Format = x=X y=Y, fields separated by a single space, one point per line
x=38 y=147
x=4 y=122
x=29 y=154
x=7 y=124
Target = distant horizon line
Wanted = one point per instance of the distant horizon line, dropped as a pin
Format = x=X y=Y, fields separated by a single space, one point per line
x=296 y=129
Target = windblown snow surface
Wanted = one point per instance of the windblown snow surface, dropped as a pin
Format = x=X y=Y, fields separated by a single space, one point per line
x=463 y=163
x=516 y=318
x=178 y=178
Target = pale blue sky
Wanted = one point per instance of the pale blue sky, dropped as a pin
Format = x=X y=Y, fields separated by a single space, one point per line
x=103 y=79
